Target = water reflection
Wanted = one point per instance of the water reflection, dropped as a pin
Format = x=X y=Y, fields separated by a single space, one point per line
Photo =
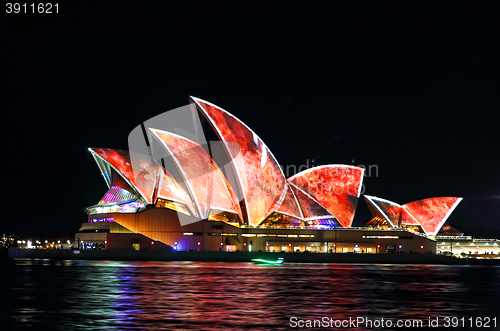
x=110 y=295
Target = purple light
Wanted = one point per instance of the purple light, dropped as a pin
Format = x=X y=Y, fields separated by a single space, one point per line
x=95 y=220
x=321 y=224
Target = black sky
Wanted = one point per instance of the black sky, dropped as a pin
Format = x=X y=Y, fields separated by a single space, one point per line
x=409 y=87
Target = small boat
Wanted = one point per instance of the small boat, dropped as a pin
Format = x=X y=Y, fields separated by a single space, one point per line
x=262 y=261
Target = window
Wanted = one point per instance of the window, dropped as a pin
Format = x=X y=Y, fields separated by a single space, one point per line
x=161 y=203
x=231 y=248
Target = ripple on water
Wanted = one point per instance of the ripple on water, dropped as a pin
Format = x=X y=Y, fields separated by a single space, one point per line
x=110 y=295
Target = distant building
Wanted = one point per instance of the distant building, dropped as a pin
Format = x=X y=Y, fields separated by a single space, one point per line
x=429 y=217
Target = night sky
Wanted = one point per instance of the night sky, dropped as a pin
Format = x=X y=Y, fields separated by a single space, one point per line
x=410 y=88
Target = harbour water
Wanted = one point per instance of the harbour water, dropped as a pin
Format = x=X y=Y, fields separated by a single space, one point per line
x=111 y=295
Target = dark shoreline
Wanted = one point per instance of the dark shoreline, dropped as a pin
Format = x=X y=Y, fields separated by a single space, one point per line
x=205 y=256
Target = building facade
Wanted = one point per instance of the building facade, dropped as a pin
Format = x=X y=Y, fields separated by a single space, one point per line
x=160 y=228
x=197 y=178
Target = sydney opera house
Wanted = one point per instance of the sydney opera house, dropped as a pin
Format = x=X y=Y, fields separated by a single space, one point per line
x=214 y=185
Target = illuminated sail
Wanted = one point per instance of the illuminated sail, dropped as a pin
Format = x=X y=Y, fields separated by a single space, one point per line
x=335 y=187
x=432 y=213
x=261 y=179
x=389 y=210
x=202 y=176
